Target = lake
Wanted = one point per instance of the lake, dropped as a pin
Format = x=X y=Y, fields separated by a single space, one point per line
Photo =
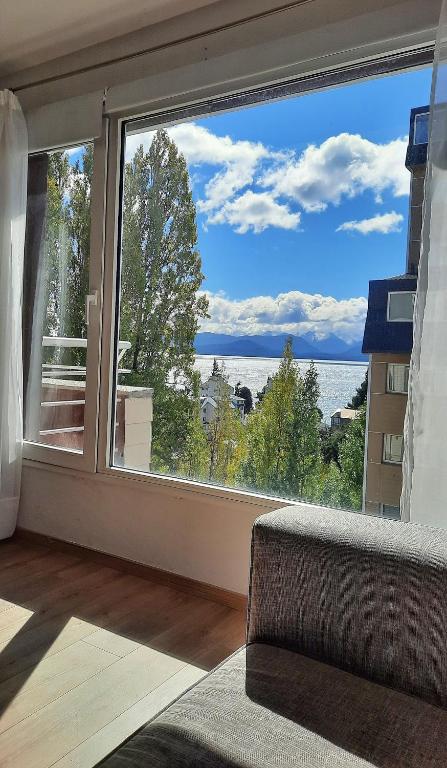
x=338 y=380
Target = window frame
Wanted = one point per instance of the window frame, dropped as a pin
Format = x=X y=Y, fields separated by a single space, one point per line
x=398 y=319
x=66 y=457
x=390 y=461
x=417 y=119
x=175 y=110
x=390 y=391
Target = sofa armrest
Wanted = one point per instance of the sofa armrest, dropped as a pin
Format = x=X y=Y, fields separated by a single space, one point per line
x=365 y=594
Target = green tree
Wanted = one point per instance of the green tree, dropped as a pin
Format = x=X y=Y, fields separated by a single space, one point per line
x=352 y=452
x=161 y=275
x=246 y=394
x=78 y=222
x=67 y=250
x=303 y=456
x=361 y=394
x=195 y=458
x=283 y=432
x=331 y=439
x=226 y=439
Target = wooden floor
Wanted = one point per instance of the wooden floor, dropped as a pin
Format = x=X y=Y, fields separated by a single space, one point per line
x=88 y=654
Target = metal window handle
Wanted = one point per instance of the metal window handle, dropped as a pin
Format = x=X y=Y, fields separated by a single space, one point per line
x=90 y=300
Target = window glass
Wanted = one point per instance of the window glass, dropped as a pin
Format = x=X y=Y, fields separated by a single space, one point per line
x=56 y=282
x=393 y=448
x=397 y=378
x=248 y=241
x=401 y=306
x=421 y=128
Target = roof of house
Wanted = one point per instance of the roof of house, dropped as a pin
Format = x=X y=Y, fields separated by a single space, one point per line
x=381 y=335
x=345 y=413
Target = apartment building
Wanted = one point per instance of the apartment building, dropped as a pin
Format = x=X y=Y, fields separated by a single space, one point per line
x=388 y=341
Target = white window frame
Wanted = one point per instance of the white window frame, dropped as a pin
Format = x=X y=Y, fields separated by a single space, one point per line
x=386 y=460
x=159 y=114
x=399 y=319
x=66 y=457
x=416 y=119
x=388 y=372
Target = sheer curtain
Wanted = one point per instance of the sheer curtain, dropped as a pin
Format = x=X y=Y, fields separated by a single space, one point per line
x=13 y=180
x=424 y=490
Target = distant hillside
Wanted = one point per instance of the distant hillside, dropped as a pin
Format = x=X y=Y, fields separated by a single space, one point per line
x=304 y=347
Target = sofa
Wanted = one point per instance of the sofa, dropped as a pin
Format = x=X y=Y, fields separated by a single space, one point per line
x=346 y=658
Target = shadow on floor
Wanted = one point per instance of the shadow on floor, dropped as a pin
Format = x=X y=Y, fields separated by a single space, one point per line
x=70 y=598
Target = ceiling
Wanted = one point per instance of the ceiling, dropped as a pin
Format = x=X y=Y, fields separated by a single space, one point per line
x=32 y=33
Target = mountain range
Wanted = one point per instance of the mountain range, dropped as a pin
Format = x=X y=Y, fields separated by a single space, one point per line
x=304 y=347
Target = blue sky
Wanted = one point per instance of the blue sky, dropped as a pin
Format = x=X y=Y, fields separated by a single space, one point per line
x=300 y=203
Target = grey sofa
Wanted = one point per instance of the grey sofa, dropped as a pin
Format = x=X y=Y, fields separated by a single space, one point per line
x=346 y=656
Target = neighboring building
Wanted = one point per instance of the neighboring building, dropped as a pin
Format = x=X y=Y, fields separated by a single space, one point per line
x=388 y=340
x=342 y=416
x=215 y=386
x=211 y=390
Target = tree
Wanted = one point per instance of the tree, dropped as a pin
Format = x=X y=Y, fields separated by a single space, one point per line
x=161 y=275
x=67 y=249
x=331 y=439
x=246 y=395
x=283 y=432
x=361 y=394
x=195 y=458
x=352 y=453
x=226 y=439
x=304 y=449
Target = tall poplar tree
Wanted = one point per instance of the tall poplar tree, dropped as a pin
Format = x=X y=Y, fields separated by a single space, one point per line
x=67 y=250
x=161 y=275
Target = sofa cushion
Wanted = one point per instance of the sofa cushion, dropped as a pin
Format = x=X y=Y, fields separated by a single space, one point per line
x=267 y=706
x=364 y=594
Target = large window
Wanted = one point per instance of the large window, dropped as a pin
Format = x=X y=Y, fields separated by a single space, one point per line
x=247 y=242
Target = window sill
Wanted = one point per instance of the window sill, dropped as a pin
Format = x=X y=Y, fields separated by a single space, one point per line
x=176 y=487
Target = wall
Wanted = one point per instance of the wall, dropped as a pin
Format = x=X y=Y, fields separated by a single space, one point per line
x=202 y=535
x=386 y=414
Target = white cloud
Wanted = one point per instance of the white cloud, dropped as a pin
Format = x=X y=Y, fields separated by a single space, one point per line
x=293 y=312
x=239 y=161
x=383 y=223
x=343 y=166
x=255 y=211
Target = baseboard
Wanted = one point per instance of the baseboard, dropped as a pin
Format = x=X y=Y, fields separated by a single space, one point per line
x=157 y=575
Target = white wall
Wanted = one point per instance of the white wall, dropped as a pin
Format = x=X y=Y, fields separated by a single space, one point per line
x=196 y=534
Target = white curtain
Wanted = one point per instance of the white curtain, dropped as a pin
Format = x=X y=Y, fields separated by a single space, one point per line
x=424 y=490
x=13 y=179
